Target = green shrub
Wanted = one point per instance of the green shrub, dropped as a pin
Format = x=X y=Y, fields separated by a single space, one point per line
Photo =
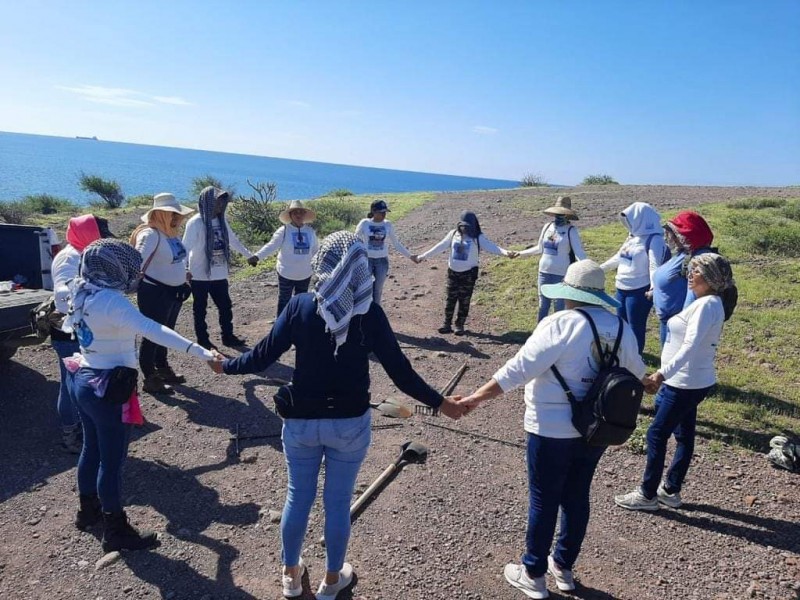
x=109 y=190
x=792 y=210
x=780 y=239
x=46 y=204
x=335 y=213
x=255 y=217
x=338 y=193
x=756 y=203
x=14 y=213
x=533 y=180
x=599 y=180
x=200 y=183
x=142 y=200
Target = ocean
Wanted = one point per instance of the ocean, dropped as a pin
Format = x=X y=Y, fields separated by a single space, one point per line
x=37 y=164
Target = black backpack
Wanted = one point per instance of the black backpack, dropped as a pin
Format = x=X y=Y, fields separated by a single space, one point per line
x=606 y=416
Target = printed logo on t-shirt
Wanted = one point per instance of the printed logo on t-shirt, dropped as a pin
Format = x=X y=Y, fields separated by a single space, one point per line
x=218 y=255
x=607 y=341
x=301 y=242
x=178 y=250
x=461 y=249
x=550 y=243
x=626 y=253
x=377 y=237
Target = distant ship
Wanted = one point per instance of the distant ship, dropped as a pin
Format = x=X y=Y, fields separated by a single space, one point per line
x=85 y=137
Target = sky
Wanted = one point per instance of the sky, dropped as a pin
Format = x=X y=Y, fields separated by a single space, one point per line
x=661 y=92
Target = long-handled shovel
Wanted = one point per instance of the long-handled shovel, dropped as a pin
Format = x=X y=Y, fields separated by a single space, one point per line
x=413 y=452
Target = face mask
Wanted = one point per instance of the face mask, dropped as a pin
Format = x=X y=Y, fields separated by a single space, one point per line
x=561 y=220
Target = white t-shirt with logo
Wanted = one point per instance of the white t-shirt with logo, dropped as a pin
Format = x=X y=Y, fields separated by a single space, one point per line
x=168 y=265
x=464 y=253
x=194 y=238
x=376 y=235
x=295 y=246
x=555 y=242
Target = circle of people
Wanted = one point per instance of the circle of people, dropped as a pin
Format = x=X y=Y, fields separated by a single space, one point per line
x=327 y=416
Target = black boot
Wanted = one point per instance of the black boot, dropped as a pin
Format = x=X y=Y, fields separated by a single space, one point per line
x=90 y=513
x=119 y=534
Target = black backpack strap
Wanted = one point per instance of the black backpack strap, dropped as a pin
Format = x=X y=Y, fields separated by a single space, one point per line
x=570 y=396
x=614 y=358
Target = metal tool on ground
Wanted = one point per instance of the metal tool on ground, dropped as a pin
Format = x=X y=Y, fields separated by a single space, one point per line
x=413 y=452
x=392 y=408
x=429 y=411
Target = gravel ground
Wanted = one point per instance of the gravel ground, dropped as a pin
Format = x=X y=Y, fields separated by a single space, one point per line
x=443 y=529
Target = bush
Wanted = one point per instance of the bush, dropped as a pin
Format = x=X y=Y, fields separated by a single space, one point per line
x=14 y=213
x=109 y=190
x=255 y=217
x=140 y=201
x=48 y=205
x=778 y=239
x=532 y=180
x=599 y=180
x=200 y=183
x=338 y=193
x=336 y=213
x=756 y=203
x=792 y=210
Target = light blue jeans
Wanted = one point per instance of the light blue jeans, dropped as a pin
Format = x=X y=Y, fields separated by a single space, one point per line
x=544 y=303
x=343 y=443
x=66 y=406
x=379 y=267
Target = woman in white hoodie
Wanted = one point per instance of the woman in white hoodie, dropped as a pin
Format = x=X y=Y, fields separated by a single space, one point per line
x=640 y=255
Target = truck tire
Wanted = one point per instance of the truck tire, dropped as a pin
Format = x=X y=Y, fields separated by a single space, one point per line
x=6 y=352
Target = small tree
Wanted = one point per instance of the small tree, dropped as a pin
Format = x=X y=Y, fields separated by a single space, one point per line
x=533 y=180
x=255 y=216
x=599 y=180
x=338 y=193
x=109 y=190
x=201 y=183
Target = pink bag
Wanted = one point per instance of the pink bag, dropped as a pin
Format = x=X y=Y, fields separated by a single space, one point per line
x=132 y=410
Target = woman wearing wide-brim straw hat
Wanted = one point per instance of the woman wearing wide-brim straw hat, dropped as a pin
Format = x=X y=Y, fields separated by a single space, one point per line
x=560 y=245
x=164 y=287
x=296 y=243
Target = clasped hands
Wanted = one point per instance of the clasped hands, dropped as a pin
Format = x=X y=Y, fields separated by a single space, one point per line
x=652 y=382
x=216 y=364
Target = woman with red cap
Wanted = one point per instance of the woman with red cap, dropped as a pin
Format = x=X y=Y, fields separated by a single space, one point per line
x=687 y=235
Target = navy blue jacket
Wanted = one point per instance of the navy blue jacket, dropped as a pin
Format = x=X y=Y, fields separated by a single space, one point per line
x=317 y=373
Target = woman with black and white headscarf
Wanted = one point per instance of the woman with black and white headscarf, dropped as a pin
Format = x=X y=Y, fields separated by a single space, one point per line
x=686 y=377
x=326 y=408
x=208 y=239
x=106 y=324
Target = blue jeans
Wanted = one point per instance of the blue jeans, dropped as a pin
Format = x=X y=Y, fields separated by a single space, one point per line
x=634 y=310
x=544 y=303
x=344 y=444
x=662 y=332
x=560 y=473
x=379 y=267
x=105 y=443
x=676 y=412
x=67 y=410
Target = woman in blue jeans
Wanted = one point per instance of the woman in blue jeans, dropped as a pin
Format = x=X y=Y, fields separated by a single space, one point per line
x=636 y=261
x=686 y=377
x=326 y=407
x=106 y=324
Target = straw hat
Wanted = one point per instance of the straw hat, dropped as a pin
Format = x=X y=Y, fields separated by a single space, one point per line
x=563 y=206
x=585 y=282
x=308 y=214
x=167 y=202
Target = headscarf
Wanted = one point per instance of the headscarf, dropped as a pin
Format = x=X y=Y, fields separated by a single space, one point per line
x=641 y=219
x=717 y=272
x=82 y=231
x=205 y=206
x=473 y=227
x=691 y=229
x=344 y=282
x=105 y=264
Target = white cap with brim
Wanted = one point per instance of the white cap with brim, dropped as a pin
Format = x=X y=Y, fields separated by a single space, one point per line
x=584 y=282
x=167 y=203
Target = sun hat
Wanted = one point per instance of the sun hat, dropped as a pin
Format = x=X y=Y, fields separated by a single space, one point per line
x=563 y=206
x=585 y=282
x=376 y=207
x=167 y=202
x=308 y=214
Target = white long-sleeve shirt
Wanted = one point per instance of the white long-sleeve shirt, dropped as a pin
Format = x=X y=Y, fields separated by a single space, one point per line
x=295 y=247
x=687 y=360
x=375 y=235
x=636 y=265
x=65 y=269
x=194 y=239
x=464 y=254
x=555 y=242
x=114 y=324
x=169 y=257
x=565 y=340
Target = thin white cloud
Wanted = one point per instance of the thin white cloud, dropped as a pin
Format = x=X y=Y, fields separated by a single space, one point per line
x=483 y=130
x=299 y=104
x=121 y=97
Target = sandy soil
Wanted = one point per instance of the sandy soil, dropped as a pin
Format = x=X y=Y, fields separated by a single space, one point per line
x=439 y=530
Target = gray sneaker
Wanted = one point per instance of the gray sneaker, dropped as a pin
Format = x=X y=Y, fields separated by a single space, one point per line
x=564 y=579
x=533 y=587
x=636 y=500
x=328 y=591
x=671 y=500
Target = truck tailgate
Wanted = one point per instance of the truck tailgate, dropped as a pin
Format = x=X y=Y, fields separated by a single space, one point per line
x=15 y=308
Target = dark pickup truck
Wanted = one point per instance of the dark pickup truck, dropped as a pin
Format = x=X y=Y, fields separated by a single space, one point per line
x=26 y=255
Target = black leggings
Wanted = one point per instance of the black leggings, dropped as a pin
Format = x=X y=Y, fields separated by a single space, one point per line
x=459 y=289
x=160 y=303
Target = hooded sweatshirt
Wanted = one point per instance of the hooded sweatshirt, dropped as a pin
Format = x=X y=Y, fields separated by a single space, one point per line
x=635 y=265
x=81 y=231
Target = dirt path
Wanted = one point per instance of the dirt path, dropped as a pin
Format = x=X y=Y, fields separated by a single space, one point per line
x=440 y=530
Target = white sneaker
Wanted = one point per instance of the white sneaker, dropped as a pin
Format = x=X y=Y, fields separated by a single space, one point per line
x=671 y=500
x=517 y=576
x=564 y=579
x=328 y=591
x=293 y=586
x=636 y=500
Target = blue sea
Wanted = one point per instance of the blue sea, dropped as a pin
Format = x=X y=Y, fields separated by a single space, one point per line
x=36 y=164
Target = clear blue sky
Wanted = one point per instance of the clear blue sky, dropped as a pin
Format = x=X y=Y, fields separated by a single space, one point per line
x=686 y=91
